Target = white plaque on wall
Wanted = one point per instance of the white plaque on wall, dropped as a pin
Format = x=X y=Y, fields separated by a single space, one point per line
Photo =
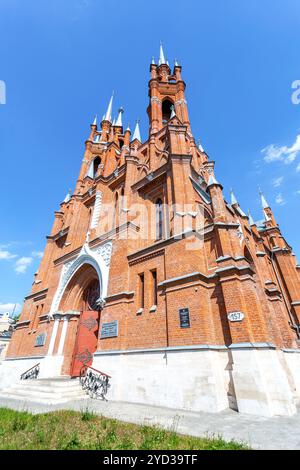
x=236 y=316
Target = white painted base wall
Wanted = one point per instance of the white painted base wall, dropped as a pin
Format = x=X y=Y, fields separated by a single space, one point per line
x=191 y=380
x=11 y=369
x=264 y=382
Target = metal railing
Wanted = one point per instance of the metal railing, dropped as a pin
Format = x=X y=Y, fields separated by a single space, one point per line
x=94 y=382
x=31 y=373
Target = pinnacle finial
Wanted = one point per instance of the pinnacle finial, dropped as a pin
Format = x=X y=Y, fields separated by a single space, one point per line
x=153 y=61
x=137 y=134
x=95 y=120
x=172 y=111
x=109 y=108
x=200 y=146
x=68 y=196
x=212 y=180
x=176 y=63
x=119 y=120
x=251 y=221
x=233 y=198
x=162 y=59
x=264 y=202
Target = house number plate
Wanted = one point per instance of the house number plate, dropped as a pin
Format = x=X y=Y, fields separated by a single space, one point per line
x=236 y=316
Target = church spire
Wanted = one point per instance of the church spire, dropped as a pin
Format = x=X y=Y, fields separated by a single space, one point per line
x=200 y=147
x=137 y=134
x=264 y=202
x=162 y=59
x=119 y=120
x=251 y=221
x=233 y=198
x=107 y=116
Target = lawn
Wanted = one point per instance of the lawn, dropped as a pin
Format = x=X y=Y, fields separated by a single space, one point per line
x=84 y=430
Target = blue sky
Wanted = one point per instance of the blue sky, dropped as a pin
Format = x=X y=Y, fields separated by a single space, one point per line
x=60 y=60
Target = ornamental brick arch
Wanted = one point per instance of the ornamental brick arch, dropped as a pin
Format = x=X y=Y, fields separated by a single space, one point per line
x=99 y=259
x=74 y=294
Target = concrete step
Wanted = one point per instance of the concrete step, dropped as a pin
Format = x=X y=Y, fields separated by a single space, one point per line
x=50 y=394
x=52 y=390
x=47 y=386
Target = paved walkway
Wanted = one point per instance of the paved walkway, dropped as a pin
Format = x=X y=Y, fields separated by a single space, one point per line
x=280 y=433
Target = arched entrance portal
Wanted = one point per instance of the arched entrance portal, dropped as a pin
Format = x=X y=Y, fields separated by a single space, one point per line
x=82 y=295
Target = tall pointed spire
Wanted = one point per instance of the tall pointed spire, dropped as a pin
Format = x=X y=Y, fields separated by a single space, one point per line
x=233 y=198
x=95 y=120
x=68 y=196
x=137 y=134
x=109 y=109
x=251 y=221
x=162 y=59
x=119 y=120
x=200 y=146
x=264 y=202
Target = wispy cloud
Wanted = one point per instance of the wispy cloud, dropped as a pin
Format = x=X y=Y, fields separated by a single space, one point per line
x=5 y=254
x=280 y=199
x=277 y=182
x=273 y=153
x=22 y=264
x=37 y=254
x=298 y=167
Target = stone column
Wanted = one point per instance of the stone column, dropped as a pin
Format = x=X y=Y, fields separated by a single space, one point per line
x=53 y=337
x=63 y=336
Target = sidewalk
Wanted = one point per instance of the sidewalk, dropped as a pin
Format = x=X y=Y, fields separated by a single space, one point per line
x=259 y=433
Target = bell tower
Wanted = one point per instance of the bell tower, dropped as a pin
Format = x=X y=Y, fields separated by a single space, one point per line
x=167 y=94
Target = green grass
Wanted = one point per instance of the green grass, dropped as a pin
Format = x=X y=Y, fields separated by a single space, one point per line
x=67 y=430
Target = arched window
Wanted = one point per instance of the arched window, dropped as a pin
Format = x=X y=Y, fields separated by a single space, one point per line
x=122 y=199
x=159 y=219
x=116 y=211
x=166 y=110
x=96 y=164
x=248 y=257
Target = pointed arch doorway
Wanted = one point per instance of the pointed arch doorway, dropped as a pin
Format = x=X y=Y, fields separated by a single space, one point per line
x=88 y=329
x=82 y=295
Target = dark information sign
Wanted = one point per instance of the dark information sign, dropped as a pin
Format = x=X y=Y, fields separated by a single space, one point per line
x=109 y=330
x=184 y=317
x=40 y=340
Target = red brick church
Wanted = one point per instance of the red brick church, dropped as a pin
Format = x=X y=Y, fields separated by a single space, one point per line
x=151 y=276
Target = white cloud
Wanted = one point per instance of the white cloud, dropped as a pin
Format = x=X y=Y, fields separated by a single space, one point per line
x=279 y=199
x=37 y=254
x=22 y=264
x=277 y=182
x=298 y=167
x=5 y=254
x=9 y=307
x=273 y=153
x=298 y=192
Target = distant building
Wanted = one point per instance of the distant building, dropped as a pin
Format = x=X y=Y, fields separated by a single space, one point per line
x=150 y=275
x=6 y=329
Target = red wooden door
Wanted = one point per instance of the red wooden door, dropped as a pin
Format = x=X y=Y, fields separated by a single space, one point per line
x=86 y=341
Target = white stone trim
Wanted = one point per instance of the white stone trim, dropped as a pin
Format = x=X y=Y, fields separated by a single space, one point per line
x=98 y=257
x=53 y=336
x=63 y=335
x=97 y=210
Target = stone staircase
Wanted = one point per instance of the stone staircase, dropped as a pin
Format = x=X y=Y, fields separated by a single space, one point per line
x=50 y=391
